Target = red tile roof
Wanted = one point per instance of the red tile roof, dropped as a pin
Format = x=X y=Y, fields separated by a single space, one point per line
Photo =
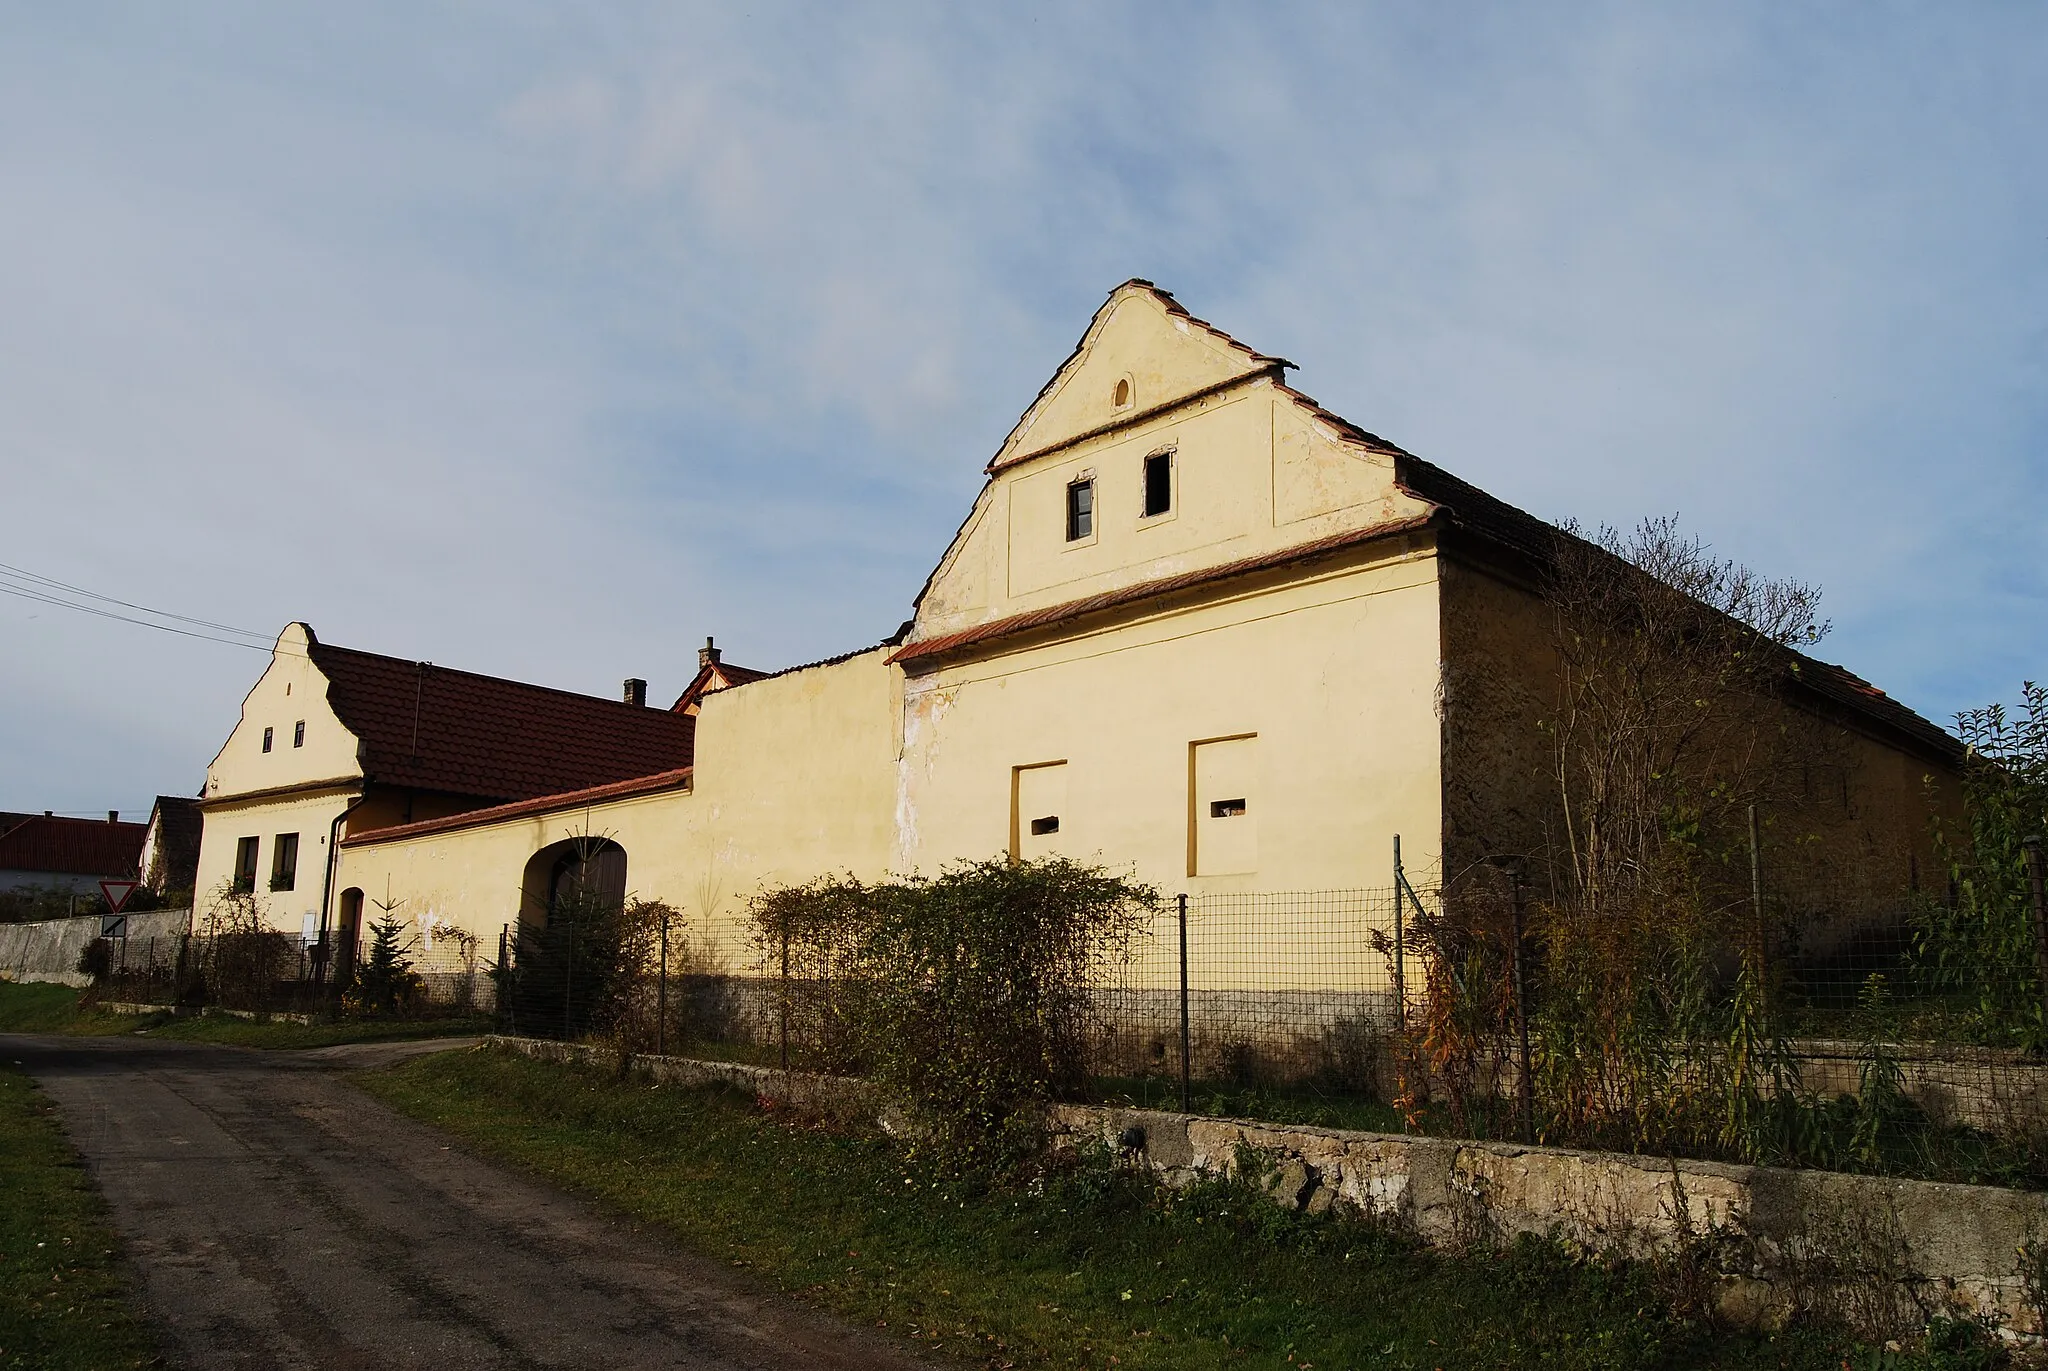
x=677 y=779
x=73 y=847
x=434 y=728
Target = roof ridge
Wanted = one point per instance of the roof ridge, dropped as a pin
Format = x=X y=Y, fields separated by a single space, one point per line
x=473 y=675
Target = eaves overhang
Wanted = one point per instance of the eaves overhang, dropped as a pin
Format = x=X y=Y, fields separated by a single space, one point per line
x=924 y=654
x=303 y=790
x=539 y=805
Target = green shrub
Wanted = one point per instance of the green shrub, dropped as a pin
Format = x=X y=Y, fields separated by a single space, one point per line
x=965 y=996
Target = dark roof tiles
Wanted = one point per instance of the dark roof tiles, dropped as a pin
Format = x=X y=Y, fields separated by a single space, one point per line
x=72 y=847
x=677 y=779
x=434 y=728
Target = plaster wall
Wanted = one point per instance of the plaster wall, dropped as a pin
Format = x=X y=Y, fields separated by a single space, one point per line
x=310 y=815
x=1854 y=832
x=1323 y=681
x=794 y=778
x=290 y=690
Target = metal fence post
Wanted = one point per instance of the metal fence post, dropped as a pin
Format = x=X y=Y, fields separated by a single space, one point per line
x=1526 y=1084
x=1400 y=955
x=784 y=997
x=1186 y=1053
x=1756 y=904
x=2037 y=890
x=569 y=983
x=661 y=997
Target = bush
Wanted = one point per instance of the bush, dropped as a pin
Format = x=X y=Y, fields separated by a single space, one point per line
x=965 y=996
x=584 y=971
x=96 y=959
x=244 y=958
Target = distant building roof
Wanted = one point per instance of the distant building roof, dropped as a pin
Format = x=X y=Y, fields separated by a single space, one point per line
x=72 y=847
x=178 y=821
x=434 y=728
x=713 y=673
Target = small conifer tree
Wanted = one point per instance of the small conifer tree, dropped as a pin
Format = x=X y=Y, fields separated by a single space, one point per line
x=385 y=982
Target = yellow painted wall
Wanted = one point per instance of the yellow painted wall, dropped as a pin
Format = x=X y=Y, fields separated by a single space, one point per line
x=291 y=689
x=794 y=777
x=1328 y=675
x=309 y=816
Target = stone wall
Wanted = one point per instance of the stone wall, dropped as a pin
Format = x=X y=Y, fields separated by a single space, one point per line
x=1881 y=1255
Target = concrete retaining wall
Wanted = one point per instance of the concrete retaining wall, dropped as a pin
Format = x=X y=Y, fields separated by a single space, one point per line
x=1881 y=1255
x=49 y=950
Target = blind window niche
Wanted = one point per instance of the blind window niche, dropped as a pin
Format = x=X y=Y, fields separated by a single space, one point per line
x=1039 y=821
x=1223 y=810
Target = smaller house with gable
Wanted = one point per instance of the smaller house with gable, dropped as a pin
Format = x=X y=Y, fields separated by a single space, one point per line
x=334 y=741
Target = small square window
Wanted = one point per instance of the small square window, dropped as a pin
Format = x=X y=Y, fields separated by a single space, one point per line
x=266 y=738
x=299 y=733
x=1080 y=510
x=1049 y=824
x=1158 y=484
x=1226 y=809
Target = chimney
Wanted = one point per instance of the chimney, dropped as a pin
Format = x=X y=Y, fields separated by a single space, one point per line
x=636 y=692
x=113 y=816
x=707 y=655
x=49 y=814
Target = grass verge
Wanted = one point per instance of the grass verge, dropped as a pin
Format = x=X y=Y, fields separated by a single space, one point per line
x=39 y=1008
x=1097 y=1268
x=61 y=1292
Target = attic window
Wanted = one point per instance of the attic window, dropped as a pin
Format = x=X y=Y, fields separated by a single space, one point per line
x=1080 y=510
x=1049 y=824
x=299 y=733
x=1120 y=398
x=1226 y=809
x=1158 y=484
x=267 y=735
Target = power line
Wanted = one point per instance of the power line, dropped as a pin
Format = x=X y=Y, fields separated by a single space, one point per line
x=126 y=619
x=22 y=573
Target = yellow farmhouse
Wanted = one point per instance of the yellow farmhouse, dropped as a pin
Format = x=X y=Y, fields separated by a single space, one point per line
x=1195 y=627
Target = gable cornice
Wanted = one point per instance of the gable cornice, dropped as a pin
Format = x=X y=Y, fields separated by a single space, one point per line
x=1273 y=370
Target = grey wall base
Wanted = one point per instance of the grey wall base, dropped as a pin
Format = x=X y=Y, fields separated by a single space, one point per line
x=1883 y=1256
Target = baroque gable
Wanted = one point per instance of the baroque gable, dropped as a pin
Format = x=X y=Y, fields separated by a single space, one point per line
x=1161 y=449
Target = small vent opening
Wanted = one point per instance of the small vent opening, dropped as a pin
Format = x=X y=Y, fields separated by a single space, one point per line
x=1049 y=824
x=1225 y=809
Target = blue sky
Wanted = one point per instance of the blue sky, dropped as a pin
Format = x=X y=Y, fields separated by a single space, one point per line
x=546 y=341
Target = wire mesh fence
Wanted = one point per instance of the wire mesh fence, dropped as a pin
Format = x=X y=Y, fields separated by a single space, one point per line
x=276 y=972
x=1832 y=1023
x=1263 y=990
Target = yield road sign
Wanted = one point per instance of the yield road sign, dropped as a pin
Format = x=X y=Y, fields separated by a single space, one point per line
x=118 y=892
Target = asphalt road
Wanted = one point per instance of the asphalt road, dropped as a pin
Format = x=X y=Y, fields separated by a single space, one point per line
x=274 y=1216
